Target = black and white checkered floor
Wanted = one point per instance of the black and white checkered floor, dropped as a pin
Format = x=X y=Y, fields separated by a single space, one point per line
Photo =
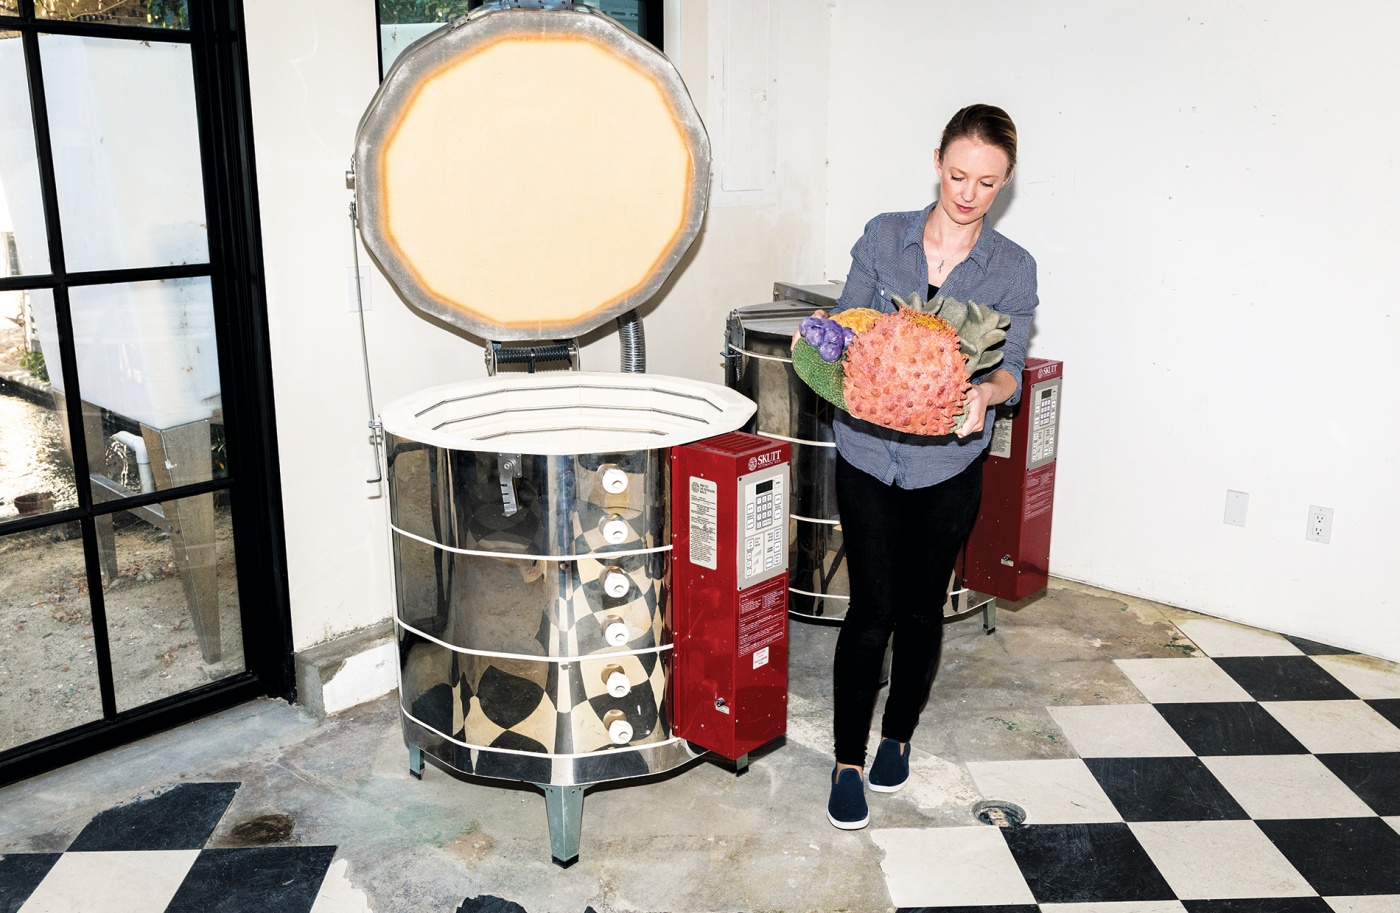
x=150 y=855
x=1262 y=777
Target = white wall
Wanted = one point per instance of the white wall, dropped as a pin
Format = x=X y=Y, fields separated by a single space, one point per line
x=1210 y=191
x=312 y=72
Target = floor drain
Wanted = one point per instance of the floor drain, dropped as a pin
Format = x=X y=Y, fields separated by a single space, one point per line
x=999 y=813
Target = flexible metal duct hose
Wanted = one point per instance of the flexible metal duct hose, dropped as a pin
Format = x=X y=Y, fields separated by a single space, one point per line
x=634 y=343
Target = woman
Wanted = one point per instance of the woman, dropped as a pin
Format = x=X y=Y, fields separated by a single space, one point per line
x=908 y=502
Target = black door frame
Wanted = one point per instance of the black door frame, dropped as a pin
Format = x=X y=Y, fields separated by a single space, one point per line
x=216 y=35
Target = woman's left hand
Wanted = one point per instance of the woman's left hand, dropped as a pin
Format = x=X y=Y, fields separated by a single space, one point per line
x=997 y=388
x=977 y=403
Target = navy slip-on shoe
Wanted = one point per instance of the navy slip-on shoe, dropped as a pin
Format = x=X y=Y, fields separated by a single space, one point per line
x=846 y=808
x=890 y=771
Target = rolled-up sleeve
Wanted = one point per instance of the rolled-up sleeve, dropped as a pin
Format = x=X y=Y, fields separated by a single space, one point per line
x=1019 y=304
x=860 y=280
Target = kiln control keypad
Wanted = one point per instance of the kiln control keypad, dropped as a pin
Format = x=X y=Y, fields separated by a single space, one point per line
x=759 y=512
x=765 y=527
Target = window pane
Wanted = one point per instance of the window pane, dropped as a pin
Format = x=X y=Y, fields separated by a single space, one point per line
x=401 y=11
x=24 y=247
x=148 y=367
x=126 y=152
x=48 y=671
x=402 y=22
x=170 y=14
x=172 y=600
x=631 y=13
x=36 y=473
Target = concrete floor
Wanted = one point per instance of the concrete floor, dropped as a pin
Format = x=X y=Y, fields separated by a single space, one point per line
x=697 y=839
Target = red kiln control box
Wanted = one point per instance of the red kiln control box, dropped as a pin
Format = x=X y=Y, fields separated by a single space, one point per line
x=1008 y=553
x=729 y=565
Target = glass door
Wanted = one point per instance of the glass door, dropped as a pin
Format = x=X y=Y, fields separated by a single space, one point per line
x=140 y=536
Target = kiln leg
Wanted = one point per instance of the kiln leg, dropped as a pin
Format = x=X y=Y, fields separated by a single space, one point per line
x=741 y=765
x=97 y=465
x=96 y=446
x=180 y=456
x=564 y=805
x=415 y=762
x=989 y=615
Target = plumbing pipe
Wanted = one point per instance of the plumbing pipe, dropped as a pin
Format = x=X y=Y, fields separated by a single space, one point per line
x=143 y=461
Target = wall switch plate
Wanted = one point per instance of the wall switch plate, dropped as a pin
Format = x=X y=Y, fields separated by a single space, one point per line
x=1319 y=524
x=1236 y=508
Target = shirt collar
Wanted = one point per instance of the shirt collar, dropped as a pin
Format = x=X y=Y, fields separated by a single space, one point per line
x=914 y=234
x=981 y=251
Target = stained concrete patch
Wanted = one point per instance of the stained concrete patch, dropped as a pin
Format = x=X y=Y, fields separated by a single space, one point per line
x=263 y=830
x=809 y=723
x=471 y=847
x=937 y=785
x=828 y=870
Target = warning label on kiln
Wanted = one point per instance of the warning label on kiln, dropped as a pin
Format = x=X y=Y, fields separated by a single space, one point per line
x=1040 y=492
x=762 y=617
x=704 y=528
x=1001 y=437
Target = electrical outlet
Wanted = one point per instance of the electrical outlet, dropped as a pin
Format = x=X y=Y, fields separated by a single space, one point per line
x=1319 y=524
x=1236 y=507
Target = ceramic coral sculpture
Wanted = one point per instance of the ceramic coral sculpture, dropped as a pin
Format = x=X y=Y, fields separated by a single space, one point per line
x=904 y=370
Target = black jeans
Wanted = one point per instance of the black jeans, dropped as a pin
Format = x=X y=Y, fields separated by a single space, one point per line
x=901 y=545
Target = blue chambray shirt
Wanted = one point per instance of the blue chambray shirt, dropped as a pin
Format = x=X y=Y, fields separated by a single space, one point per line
x=889 y=260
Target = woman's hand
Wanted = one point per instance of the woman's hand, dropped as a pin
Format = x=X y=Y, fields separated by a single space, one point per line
x=798 y=333
x=997 y=388
x=977 y=402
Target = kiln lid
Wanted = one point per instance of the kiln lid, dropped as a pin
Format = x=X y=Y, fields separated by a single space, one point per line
x=530 y=174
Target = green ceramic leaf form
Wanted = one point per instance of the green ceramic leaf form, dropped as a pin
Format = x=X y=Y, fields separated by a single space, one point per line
x=979 y=328
x=826 y=378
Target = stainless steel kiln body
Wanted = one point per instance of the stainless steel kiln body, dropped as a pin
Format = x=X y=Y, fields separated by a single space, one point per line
x=533 y=603
x=760 y=367
x=521 y=598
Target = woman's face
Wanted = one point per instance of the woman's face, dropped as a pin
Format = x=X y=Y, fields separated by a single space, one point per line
x=970 y=177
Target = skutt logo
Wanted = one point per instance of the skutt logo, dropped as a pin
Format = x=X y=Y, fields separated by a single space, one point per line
x=1045 y=372
x=768 y=459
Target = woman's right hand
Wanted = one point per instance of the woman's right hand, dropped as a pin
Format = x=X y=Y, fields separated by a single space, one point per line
x=798 y=334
